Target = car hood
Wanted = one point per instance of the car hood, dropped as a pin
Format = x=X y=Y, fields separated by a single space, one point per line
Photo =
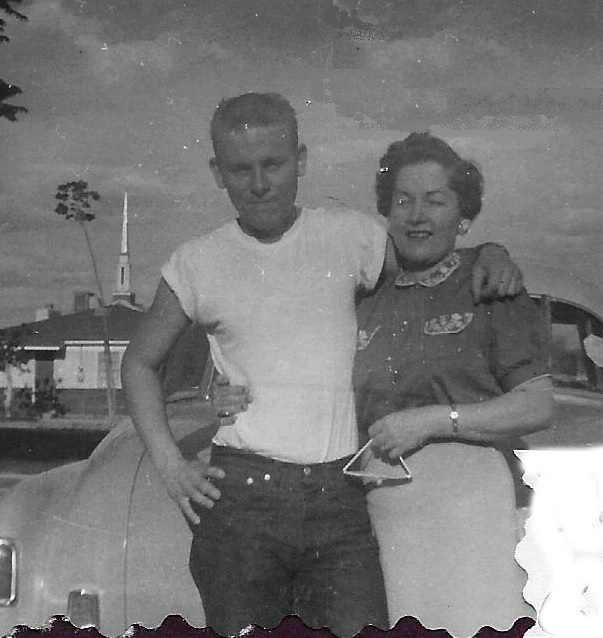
x=578 y=421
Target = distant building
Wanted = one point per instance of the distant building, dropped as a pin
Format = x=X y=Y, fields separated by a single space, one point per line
x=68 y=351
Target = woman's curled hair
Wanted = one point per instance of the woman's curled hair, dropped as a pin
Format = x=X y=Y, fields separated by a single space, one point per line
x=464 y=176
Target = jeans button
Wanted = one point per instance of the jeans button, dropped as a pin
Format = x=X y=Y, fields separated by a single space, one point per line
x=249 y=481
x=266 y=477
x=307 y=471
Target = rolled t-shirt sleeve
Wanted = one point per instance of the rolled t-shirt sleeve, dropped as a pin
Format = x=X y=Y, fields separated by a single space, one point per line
x=178 y=273
x=519 y=342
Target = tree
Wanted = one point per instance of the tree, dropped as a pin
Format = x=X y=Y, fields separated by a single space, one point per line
x=74 y=203
x=9 y=111
x=7 y=91
x=12 y=355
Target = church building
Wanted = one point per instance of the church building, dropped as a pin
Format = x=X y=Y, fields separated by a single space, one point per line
x=67 y=350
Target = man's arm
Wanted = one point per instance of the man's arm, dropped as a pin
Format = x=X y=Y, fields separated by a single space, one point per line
x=495 y=274
x=159 y=330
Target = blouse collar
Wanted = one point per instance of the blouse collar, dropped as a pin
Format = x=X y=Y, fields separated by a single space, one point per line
x=434 y=276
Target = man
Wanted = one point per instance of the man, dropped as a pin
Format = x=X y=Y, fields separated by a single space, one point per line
x=282 y=531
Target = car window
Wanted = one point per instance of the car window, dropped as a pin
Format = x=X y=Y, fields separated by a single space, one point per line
x=570 y=365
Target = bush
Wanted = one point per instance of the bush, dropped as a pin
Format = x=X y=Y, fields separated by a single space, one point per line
x=47 y=400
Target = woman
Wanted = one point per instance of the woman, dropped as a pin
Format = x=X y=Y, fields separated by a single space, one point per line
x=444 y=383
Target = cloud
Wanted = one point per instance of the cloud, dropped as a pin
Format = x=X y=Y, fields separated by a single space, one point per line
x=111 y=62
x=569 y=222
x=414 y=81
x=121 y=97
x=551 y=17
x=507 y=130
x=52 y=15
x=116 y=63
x=429 y=61
x=478 y=57
x=25 y=221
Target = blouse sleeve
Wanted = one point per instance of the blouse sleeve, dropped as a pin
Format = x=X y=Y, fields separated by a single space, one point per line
x=518 y=342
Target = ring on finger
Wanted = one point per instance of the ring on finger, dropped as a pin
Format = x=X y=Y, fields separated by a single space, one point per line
x=224 y=415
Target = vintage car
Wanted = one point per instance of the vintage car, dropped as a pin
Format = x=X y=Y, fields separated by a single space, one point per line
x=100 y=541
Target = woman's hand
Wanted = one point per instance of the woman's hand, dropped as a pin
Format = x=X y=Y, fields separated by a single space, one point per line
x=228 y=400
x=401 y=432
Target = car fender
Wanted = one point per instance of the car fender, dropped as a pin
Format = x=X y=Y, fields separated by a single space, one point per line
x=582 y=409
x=28 y=514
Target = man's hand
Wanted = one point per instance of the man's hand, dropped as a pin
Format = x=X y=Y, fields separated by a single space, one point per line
x=188 y=481
x=228 y=400
x=407 y=430
x=495 y=274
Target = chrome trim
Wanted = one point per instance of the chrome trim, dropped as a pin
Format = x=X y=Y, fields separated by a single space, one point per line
x=83 y=608
x=4 y=602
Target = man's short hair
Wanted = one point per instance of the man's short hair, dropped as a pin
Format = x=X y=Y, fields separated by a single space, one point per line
x=253 y=110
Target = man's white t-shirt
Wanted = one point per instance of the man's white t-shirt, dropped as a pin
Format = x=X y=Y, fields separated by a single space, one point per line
x=281 y=320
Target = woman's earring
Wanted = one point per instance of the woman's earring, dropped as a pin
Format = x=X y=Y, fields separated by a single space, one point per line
x=464 y=226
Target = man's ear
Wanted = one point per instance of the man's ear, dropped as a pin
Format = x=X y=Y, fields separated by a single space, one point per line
x=464 y=226
x=215 y=169
x=302 y=156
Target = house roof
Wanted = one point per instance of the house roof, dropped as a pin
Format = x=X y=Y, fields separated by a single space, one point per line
x=182 y=369
x=53 y=332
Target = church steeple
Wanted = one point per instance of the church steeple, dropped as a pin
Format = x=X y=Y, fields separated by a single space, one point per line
x=123 y=289
x=124 y=227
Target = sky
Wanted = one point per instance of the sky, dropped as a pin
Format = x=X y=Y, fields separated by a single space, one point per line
x=120 y=92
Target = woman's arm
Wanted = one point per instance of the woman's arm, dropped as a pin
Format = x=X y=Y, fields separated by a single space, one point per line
x=514 y=348
x=527 y=408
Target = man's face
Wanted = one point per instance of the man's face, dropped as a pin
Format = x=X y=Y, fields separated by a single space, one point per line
x=259 y=168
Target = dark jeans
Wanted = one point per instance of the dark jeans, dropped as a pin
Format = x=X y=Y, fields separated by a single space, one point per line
x=287 y=539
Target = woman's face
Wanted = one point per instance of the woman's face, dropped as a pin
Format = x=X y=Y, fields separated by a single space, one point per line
x=424 y=218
